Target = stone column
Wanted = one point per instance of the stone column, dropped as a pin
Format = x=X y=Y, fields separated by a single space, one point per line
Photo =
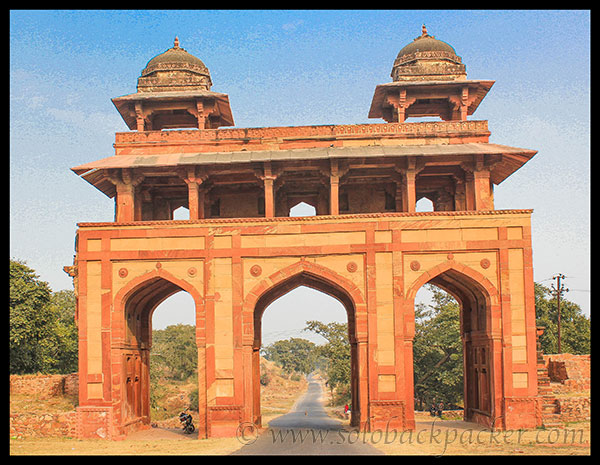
x=400 y=102
x=334 y=195
x=469 y=191
x=483 y=186
x=194 y=181
x=409 y=190
x=125 y=200
x=139 y=116
x=201 y=117
x=464 y=104
x=335 y=174
x=269 y=180
x=459 y=194
x=399 y=198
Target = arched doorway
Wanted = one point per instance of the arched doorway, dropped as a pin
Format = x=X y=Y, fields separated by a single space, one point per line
x=320 y=279
x=173 y=360
x=482 y=370
x=134 y=308
x=285 y=323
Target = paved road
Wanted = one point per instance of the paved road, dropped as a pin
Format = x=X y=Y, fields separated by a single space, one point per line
x=305 y=430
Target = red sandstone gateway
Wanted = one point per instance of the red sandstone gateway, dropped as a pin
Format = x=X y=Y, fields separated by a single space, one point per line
x=366 y=246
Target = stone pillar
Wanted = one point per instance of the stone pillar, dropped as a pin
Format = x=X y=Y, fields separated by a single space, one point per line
x=139 y=116
x=196 y=196
x=200 y=115
x=469 y=191
x=483 y=186
x=399 y=198
x=464 y=104
x=269 y=181
x=125 y=200
x=334 y=195
x=400 y=102
x=334 y=188
x=409 y=194
x=459 y=194
x=201 y=423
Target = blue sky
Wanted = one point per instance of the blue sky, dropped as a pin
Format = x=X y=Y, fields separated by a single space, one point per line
x=287 y=68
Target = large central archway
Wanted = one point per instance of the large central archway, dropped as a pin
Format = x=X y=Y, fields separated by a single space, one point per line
x=321 y=279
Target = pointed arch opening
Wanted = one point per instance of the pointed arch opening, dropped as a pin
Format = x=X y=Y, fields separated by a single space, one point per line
x=303 y=209
x=286 y=281
x=135 y=306
x=477 y=300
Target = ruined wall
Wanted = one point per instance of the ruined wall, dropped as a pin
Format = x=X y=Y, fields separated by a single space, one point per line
x=36 y=421
x=568 y=398
x=45 y=386
x=571 y=373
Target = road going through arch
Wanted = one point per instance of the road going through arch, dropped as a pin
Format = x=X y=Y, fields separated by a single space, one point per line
x=305 y=430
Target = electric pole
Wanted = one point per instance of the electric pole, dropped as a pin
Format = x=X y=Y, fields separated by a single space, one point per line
x=558 y=291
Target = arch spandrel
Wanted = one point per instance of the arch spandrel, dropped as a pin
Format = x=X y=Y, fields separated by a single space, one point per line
x=189 y=271
x=146 y=292
x=350 y=267
x=419 y=274
x=463 y=283
x=309 y=274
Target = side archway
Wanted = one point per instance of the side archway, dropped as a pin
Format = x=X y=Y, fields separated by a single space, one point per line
x=131 y=327
x=480 y=328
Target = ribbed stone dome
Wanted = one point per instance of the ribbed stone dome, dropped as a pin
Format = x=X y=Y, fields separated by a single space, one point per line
x=175 y=69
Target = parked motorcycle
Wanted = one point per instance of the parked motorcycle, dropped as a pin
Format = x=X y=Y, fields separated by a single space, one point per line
x=186 y=420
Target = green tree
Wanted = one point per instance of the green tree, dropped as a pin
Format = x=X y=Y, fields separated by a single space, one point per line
x=63 y=306
x=174 y=352
x=294 y=354
x=29 y=319
x=336 y=352
x=575 y=326
x=437 y=350
x=42 y=334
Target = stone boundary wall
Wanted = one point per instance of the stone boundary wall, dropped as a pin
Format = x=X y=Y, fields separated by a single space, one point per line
x=45 y=386
x=572 y=409
x=43 y=424
x=37 y=423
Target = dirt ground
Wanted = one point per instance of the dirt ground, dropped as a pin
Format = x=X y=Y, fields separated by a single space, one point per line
x=450 y=437
x=439 y=438
x=436 y=438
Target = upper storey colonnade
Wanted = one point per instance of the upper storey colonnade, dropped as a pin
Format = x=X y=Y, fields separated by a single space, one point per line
x=179 y=153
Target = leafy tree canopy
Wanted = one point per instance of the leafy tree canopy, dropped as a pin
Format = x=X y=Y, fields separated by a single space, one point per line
x=294 y=354
x=437 y=350
x=336 y=352
x=174 y=352
x=43 y=334
x=575 y=326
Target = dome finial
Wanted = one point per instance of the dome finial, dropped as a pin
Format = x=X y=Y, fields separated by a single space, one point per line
x=176 y=42
x=423 y=30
